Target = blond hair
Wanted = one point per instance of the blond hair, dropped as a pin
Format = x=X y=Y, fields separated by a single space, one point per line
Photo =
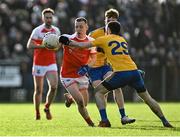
x=47 y=10
x=112 y=13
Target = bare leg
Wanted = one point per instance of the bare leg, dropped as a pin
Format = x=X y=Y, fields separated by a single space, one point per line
x=95 y=83
x=52 y=79
x=85 y=94
x=154 y=106
x=100 y=92
x=74 y=91
x=37 y=97
x=119 y=98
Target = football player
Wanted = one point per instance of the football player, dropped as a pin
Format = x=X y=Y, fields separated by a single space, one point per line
x=44 y=63
x=73 y=59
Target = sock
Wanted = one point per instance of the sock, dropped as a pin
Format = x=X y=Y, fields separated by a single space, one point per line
x=103 y=114
x=163 y=119
x=47 y=105
x=122 y=112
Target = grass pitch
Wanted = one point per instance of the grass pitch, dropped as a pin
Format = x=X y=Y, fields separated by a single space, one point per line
x=18 y=120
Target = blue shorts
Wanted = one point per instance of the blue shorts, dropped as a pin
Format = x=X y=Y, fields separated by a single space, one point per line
x=98 y=73
x=120 y=79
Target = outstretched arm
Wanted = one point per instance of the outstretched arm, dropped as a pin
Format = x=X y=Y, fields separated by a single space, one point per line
x=80 y=44
x=66 y=41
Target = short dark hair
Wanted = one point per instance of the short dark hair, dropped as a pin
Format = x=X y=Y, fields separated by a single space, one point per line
x=112 y=13
x=115 y=27
x=79 y=19
x=47 y=10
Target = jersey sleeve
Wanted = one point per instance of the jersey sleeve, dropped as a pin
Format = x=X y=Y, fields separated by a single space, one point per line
x=97 y=42
x=91 y=34
x=34 y=34
x=58 y=32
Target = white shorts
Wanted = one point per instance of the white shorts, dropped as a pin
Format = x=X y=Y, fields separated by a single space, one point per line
x=42 y=70
x=82 y=82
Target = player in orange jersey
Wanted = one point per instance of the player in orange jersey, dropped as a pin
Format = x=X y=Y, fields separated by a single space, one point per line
x=73 y=59
x=44 y=63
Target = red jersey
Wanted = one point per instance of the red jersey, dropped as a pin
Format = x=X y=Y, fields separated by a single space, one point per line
x=43 y=57
x=74 y=58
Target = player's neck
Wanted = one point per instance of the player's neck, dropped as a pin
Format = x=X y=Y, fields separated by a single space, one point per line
x=81 y=37
x=47 y=26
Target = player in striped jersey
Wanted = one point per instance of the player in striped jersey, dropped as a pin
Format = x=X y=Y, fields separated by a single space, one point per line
x=44 y=63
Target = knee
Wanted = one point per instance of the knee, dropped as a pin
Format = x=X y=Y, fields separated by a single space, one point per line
x=53 y=88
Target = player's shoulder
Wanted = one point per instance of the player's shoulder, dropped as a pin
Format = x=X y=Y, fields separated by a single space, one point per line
x=39 y=27
x=55 y=28
x=70 y=36
x=90 y=38
x=97 y=33
x=101 y=29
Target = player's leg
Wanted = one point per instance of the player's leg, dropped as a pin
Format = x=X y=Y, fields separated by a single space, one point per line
x=119 y=99
x=68 y=99
x=138 y=84
x=154 y=106
x=52 y=79
x=100 y=92
x=37 y=97
x=85 y=95
x=73 y=89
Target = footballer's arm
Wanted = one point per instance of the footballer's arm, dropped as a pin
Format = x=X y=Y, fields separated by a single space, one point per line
x=32 y=45
x=80 y=44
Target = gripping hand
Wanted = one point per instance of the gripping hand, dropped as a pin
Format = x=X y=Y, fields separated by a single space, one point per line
x=64 y=40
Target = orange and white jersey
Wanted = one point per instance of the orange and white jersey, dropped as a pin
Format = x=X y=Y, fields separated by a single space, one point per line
x=43 y=57
x=74 y=58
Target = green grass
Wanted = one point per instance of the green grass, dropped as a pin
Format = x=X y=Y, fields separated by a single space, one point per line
x=18 y=120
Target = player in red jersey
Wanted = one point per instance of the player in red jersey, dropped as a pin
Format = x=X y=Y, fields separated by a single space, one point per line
x=44 y=63
x=73 y=59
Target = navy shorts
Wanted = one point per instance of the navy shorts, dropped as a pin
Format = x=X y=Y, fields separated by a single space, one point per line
x=120 y=79
x=99 y=72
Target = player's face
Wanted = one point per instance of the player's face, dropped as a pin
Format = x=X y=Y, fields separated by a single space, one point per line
x=107 y=20
x=81 y=29
x=48 y=18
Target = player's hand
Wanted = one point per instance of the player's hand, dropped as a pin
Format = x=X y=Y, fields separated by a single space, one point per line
x=83 y=70
x=64 y=40
x=48 y=46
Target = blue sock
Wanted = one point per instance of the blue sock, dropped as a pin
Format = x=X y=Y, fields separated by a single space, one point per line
x=163 y=119
x=103 y=114
x=122 y=112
